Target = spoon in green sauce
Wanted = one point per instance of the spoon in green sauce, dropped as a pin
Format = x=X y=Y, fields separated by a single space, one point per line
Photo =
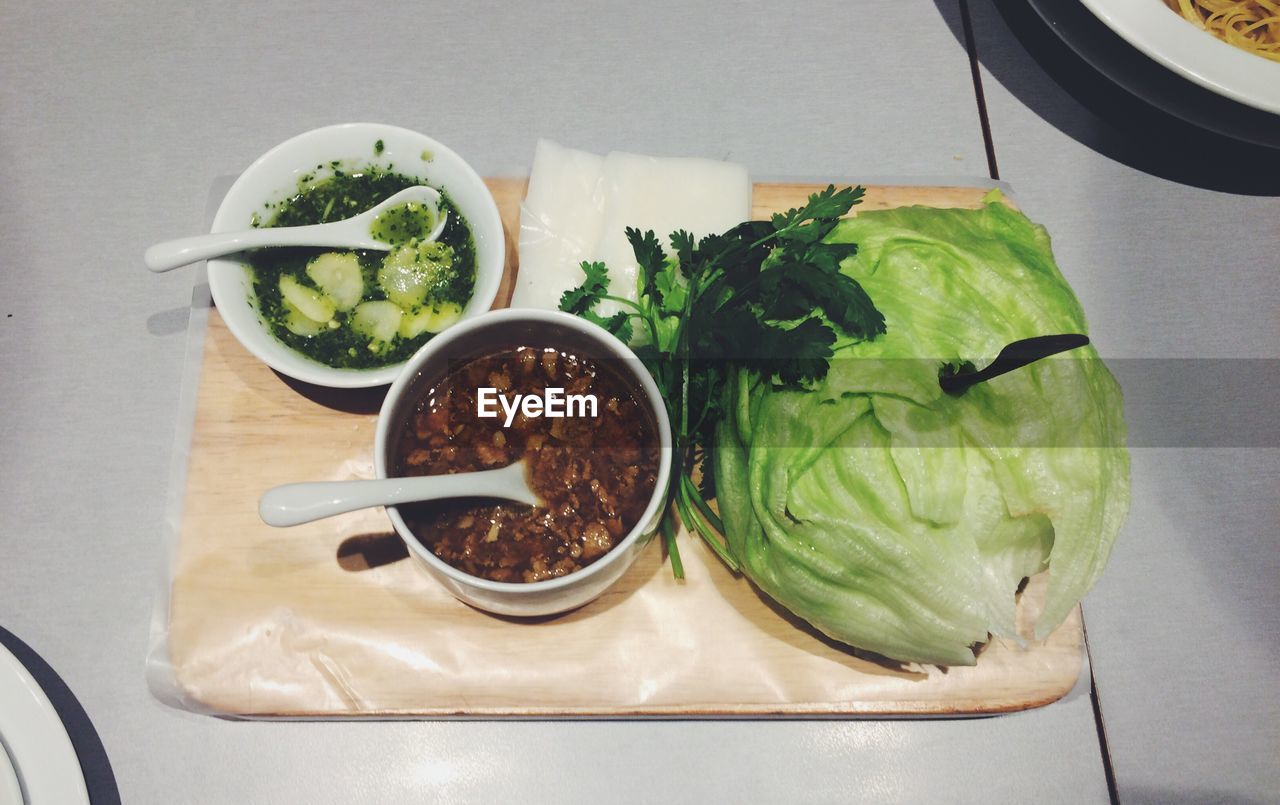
x=412 y=213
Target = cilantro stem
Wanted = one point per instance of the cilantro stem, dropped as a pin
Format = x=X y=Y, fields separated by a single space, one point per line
x=702 y=416
x=637 y=313
x=622 y=300
x=653 y=328
x=669 y=538
x=695 y=523
x=692 y=491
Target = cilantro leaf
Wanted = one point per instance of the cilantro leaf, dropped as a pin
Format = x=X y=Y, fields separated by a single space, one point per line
x=647 y=249
x=799 y=354
x=671 y=289
x=649 y=257
x=619 y=324
x=827 y=205
x=683 y=245
x=583 y=298
x=798 y=289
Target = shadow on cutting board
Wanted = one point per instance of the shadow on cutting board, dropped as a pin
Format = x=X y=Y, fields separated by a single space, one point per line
x=351 y=401
x=1033 y=63
x=367 y=551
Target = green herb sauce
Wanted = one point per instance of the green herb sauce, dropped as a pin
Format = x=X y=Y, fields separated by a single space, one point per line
x=402 y=223
x=334 y=198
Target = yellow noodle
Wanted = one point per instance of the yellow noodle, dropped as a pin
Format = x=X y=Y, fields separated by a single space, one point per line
x=1252 y=25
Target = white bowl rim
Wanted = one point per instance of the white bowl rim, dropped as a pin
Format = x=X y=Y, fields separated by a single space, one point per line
x=299 y=367
x=1162 y=34
x=504 y=317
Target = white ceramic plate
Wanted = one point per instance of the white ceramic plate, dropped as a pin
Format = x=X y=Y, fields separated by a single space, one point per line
x=1197 y=55
x=1120 y=63
x=10 y=789
x=37 y=743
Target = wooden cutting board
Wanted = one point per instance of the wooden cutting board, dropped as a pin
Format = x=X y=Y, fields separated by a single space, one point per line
x=332 y=619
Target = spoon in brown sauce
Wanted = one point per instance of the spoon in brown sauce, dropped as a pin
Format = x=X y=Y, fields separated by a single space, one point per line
x=294 y=504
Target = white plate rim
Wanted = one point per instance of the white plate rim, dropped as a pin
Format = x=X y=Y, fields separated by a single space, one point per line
x=9 y=785
x=38 y=744
x=1162 y=34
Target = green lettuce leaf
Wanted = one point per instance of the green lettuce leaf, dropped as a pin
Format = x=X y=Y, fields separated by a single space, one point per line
x=897 y=518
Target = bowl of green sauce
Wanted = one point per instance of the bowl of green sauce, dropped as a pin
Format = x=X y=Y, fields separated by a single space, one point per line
x=350 y=318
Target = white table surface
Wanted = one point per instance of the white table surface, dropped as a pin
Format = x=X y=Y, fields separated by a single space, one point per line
x=132 y=110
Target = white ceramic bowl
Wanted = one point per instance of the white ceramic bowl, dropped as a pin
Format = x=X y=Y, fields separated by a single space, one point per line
x=274 y=176
x=504 y=328
x=1181 y=46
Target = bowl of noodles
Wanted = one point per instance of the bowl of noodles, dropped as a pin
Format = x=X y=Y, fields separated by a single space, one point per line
x=1231 y=47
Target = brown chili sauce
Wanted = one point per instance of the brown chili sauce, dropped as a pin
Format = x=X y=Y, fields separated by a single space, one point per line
x=594 y=474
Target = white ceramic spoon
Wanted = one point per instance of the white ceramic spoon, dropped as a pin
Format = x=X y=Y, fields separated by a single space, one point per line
x=294 y=504
x=351 y=233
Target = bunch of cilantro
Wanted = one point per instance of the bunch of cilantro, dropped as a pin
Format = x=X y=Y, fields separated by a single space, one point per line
x=766 y=296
